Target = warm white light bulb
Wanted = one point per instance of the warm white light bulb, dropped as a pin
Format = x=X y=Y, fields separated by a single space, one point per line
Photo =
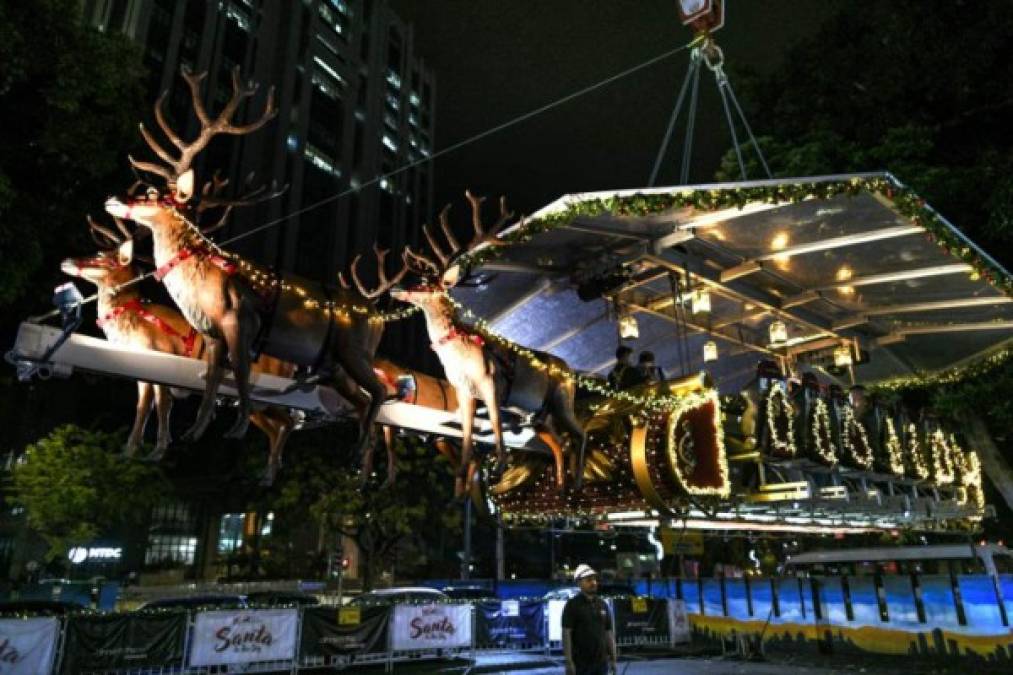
x=710 y=351
x=778 y=333
x=628 y=328
x=701 y=302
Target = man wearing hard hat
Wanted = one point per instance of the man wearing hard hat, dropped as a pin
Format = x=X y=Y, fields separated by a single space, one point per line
x=588 y=639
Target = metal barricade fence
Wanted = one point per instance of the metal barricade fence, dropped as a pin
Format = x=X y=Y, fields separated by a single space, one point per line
x=491 y=628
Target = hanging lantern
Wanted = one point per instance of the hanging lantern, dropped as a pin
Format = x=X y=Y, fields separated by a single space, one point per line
x=628 y=328
x=700 y=302
x=778 y=333
x=710 y=351
x=842 y=356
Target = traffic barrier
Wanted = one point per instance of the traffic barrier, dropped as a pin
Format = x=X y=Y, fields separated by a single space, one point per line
x=962 y=616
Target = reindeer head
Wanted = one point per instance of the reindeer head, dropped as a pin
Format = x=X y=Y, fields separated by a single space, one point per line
x=157 y=209
x=440 y=275
x=111 y=266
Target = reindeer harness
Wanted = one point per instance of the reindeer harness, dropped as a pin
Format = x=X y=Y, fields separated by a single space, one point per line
x=219 y=261
x=136 y=307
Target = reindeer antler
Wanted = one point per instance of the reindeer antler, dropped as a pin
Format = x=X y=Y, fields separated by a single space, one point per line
x=211 y=199
x=445 y=259
x=381 y=272
x=210 y=128
x=104 y=236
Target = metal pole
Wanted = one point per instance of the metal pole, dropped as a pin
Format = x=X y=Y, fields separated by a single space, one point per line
x=466 y=561
x=552 y=554
x=500 y=556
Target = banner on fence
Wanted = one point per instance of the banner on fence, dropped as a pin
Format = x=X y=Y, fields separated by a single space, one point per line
x=226 y=637
x=431 y=627
x=27 y=646
x=327 y=631
x=640 y=619
x=555 y=612
x=510 y=623
x=678 y=623
x=124 y=641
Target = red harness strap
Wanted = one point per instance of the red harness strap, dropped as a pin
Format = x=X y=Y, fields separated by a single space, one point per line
x=221 y=262
x=455 y=333
x=136 y=307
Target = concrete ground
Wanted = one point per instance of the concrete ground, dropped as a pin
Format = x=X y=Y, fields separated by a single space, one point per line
x=778 y=664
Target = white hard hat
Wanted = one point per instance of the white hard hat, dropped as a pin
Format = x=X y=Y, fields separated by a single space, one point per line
x=584 y=571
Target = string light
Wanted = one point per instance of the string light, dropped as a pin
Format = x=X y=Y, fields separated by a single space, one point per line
x=854 y=439
x=822 y=434
x=652 y=401
x=778 y=406
x=266 y=282
x=919 y=468
x=942 y=465
x=894 y=449
x=688 y=403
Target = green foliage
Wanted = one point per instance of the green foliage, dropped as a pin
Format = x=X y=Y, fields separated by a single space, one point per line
x=325 y=483
x=917 y=91
x=75 y=485
x=70 y=98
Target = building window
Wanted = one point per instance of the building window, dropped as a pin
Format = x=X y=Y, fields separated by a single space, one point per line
x=171 y=516
x=170 y=549
x=321 y=160
x=230 y=532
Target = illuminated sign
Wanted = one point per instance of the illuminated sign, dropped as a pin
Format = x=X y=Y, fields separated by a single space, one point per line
x=81 y=554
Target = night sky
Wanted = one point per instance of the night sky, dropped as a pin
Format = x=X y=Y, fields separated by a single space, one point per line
x=496 y=60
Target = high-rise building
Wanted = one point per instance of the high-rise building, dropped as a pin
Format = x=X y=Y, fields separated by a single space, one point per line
x=354 y=102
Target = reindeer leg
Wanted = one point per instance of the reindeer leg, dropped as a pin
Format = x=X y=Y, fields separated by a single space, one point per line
x=214 y=378
x=466 y=415
x=562 y=415
x=144 y=395
x=359 y=366
x=487 y=387
x=239 y=327
x=552 y=440
x=262 y=420
x=446 y=448
x=163 y=405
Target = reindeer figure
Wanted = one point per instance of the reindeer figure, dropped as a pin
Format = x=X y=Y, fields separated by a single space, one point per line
x=238 y=306
x=128 y=319
x=480 y=370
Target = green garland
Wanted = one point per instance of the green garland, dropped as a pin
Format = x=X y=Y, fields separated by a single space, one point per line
x=954 y=375
x=905 y=201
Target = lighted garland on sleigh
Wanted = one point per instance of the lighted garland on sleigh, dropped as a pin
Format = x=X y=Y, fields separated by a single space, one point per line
x=917 y=466
x=894 y=449
x=780 y=418
x=821 y=434
x=855 y=447
x=941 y=469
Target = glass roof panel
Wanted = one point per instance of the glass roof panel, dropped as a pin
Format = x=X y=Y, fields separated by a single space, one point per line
x=758 y=234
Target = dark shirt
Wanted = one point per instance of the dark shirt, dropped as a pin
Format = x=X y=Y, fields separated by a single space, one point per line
x=615 y=378
x=590 y=621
